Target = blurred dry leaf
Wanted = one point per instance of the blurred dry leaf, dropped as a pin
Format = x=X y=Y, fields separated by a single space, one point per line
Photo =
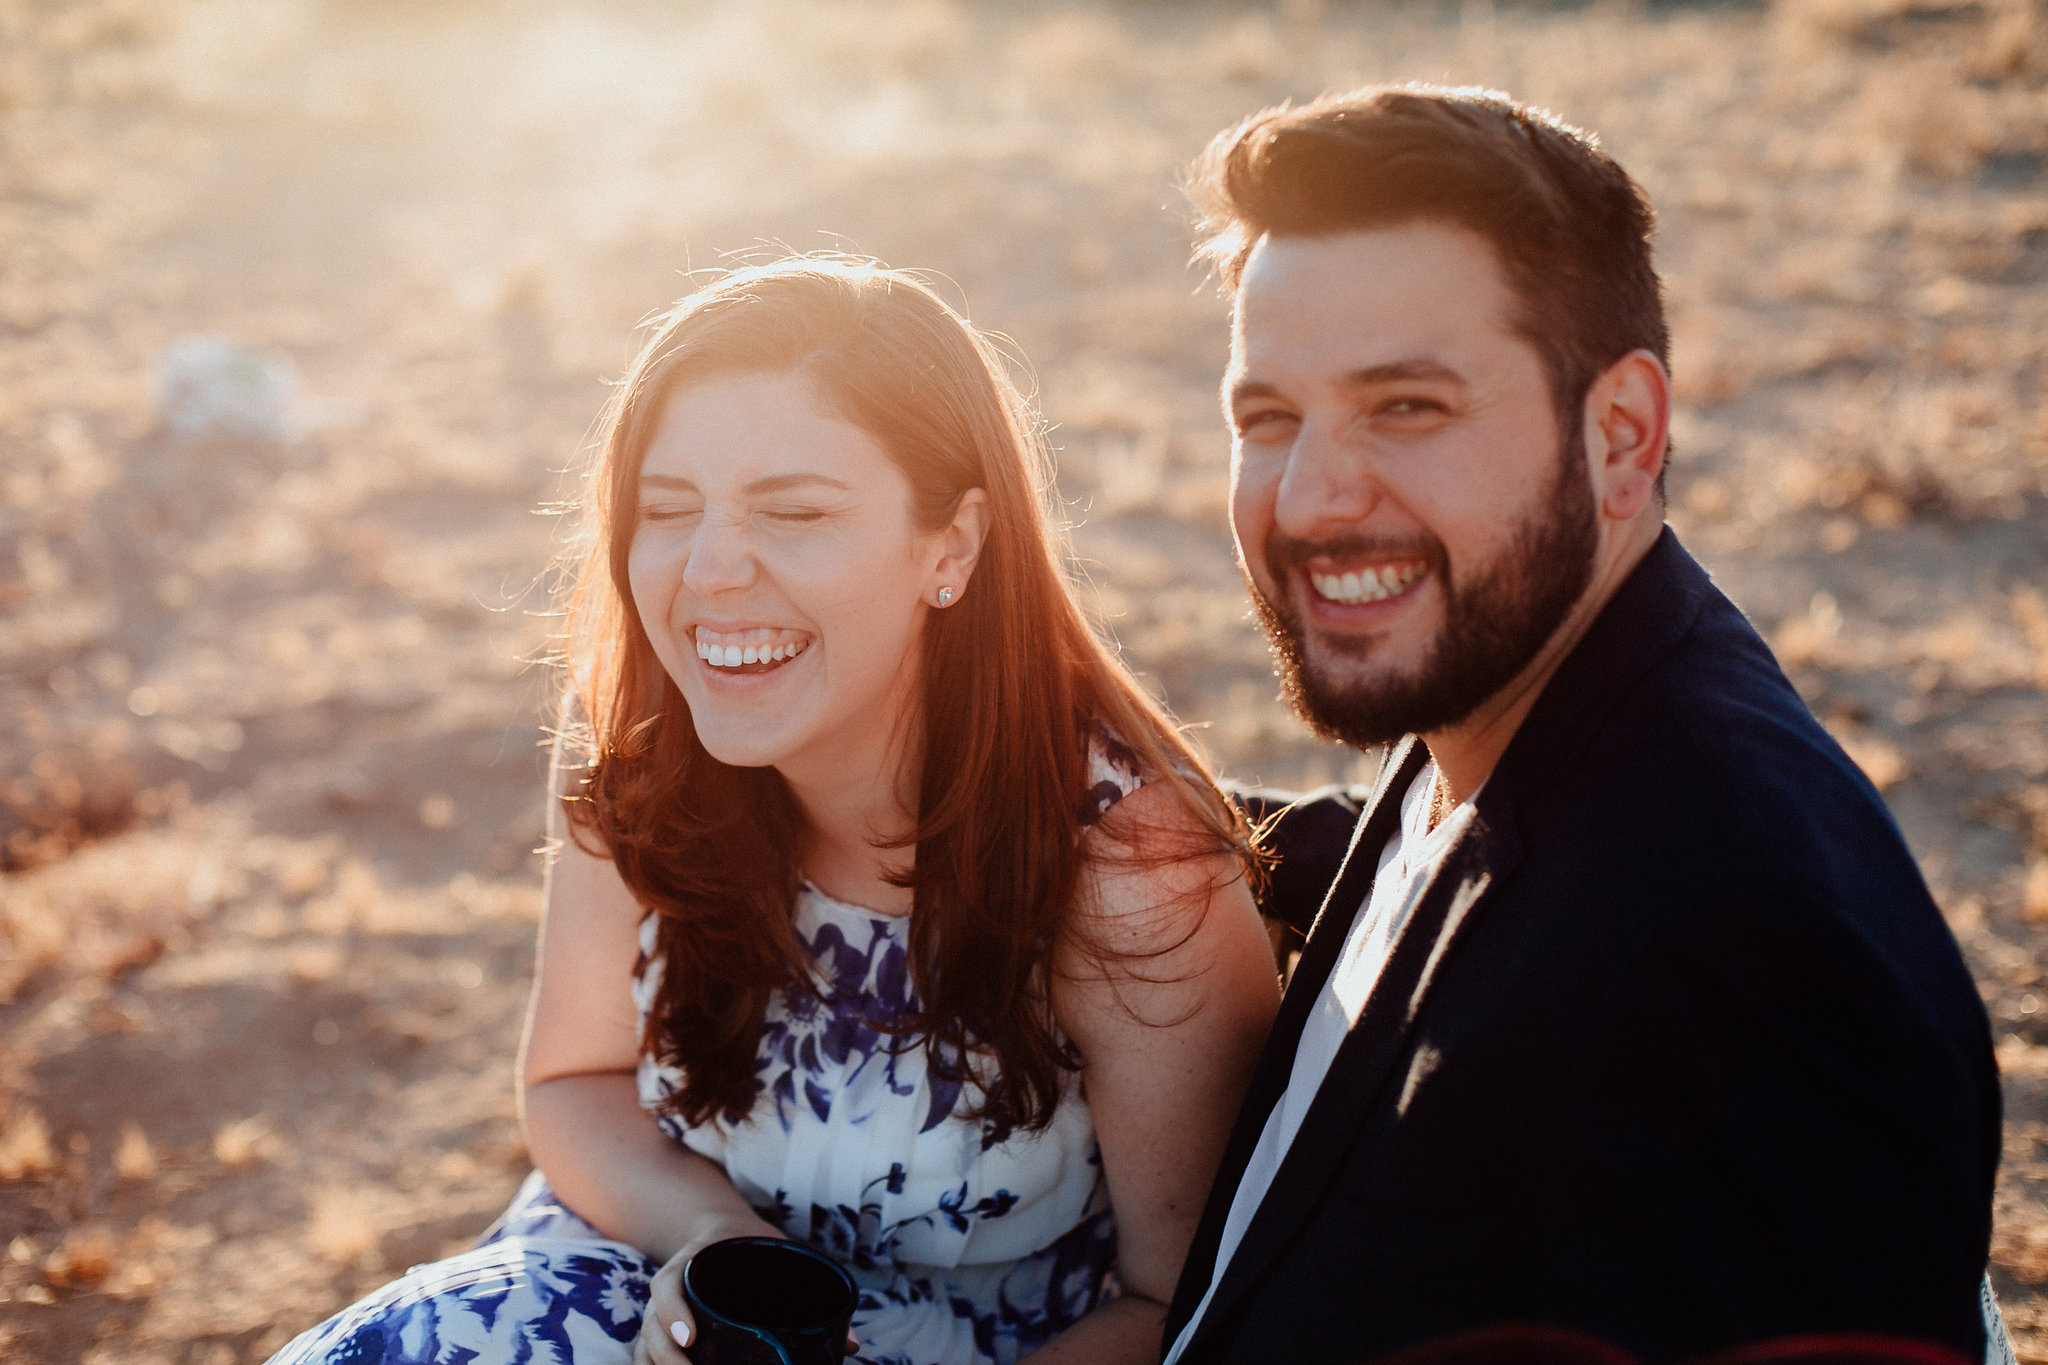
x=1709 y=499
x=2034 y=898
x=1879 y=758
x=2013 y=43
x=1860 y=20
x=454 y=1167
x=1810 y=638
x=2032 y=802
x=341 y=1227
x=85 y=1257
x=132 y=1279
x=25 y=1145
x=2017 y=1058
x=2030 y=612
x=302 y=869
x=1957 y=641
x=246 y=1142
x=1884 y=509
x=134 y=1159
x=311 y=963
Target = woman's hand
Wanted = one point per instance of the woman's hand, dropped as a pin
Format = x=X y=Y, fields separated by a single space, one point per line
x=666 y=1328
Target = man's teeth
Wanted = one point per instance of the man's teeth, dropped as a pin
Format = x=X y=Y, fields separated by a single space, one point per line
x=753 y=647
x=1365 y=585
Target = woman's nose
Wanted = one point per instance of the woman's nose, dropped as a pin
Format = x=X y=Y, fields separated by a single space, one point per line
x=720 y=558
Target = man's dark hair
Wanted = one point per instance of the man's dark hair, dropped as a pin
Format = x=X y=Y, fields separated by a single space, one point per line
x=1570 y=228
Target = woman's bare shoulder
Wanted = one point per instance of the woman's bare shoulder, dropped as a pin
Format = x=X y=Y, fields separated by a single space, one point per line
x=1161 y=884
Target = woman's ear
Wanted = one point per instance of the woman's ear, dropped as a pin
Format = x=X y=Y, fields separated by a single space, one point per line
x=959 y=546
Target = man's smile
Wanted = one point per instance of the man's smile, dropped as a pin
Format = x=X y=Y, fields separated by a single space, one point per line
x=1366 y=583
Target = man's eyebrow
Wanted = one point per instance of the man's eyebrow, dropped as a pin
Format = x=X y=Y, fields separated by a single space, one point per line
x=1245 y=390
x=1391 y=372
x=1394 y=371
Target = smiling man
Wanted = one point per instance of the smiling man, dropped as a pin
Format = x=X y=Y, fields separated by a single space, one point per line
x=1629 y=1012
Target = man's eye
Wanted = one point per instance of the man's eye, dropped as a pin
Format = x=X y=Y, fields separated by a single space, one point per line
x=1413 y=407
x=1266 y=426
x=796 y=516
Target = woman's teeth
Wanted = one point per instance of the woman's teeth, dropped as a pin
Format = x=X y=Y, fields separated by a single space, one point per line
x=749 y=648
x=1366 y=585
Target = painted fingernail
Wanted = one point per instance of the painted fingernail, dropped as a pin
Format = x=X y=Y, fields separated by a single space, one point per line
x=680 y=1330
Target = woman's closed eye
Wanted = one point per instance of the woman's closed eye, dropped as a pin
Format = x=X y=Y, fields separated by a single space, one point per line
x=669 y=513
x=795 y=515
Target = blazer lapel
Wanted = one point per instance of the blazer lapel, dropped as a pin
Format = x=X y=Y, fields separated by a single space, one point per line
x=1480 y=858
x=1346 y=896
x=1345 y=899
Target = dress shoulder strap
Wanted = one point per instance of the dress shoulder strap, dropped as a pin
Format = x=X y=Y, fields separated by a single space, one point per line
x=1113 y=771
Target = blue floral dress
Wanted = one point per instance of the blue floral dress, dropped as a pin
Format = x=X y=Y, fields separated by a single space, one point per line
x=971 y=1244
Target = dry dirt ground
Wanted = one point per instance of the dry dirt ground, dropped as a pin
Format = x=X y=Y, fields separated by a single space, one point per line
x=268 y=732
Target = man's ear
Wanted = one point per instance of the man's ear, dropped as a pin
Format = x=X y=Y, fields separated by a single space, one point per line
x=961 y=541
x=1628 y=426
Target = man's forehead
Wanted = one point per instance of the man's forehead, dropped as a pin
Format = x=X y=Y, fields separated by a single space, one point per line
x=1367 y=297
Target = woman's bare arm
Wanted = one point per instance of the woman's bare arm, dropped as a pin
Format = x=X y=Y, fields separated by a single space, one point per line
x=1169 y=1037
x=584 y=1125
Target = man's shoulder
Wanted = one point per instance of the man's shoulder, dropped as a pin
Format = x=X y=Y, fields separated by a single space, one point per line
x=1673 y=712
x=1713 y=810
x=1738 y=750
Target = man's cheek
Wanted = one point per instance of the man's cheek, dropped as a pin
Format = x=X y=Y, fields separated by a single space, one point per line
x=1251 y=509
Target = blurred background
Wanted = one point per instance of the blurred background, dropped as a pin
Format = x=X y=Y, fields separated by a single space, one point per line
x=305 y=304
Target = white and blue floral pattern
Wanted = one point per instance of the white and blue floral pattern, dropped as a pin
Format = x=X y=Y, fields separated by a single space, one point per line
x=542 y=1287
x=972 y=1244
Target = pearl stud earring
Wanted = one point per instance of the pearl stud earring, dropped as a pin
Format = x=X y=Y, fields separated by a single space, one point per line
x=945 y=597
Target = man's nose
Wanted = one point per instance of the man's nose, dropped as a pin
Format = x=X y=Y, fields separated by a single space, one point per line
x=721 y=557
x=1327 y=483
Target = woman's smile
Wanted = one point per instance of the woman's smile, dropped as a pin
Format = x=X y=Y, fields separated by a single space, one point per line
x=751 y=651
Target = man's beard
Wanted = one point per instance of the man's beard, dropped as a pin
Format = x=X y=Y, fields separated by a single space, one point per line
x=1493 y=625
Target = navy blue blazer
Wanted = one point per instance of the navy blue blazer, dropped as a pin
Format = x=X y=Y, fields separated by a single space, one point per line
x=1675 y=1047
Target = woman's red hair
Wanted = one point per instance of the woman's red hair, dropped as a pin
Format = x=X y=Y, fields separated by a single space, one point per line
x=1013 y=677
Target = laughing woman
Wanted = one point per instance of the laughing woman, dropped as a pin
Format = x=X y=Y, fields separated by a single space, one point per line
x=889 y=914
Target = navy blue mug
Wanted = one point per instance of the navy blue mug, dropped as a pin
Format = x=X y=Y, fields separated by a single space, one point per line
x=765 y=1301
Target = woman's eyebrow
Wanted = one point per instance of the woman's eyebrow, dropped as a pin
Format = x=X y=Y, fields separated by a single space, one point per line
x=775 y=483
x=780 y=483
